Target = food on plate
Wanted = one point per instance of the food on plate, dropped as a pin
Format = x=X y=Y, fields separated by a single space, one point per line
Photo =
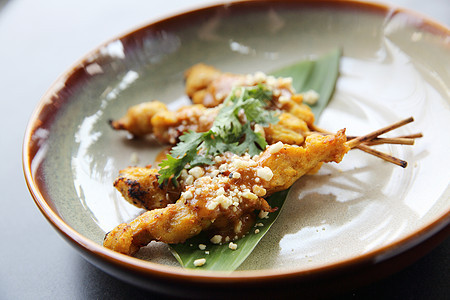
x=167 y=126
x=244 y=138
x=224 y=197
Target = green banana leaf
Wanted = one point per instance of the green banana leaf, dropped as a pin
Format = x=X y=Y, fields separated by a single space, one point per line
x=319 y=75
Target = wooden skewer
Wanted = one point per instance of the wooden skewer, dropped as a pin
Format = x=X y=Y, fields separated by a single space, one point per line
x=382 y=155
x=362 y=142
x=396 y=141
x=412 y=136
x=361 y=139
x=401 y=140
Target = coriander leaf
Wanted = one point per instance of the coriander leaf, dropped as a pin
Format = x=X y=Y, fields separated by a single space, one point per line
x=216 y=146
x=188 y=141
x=260 y=92
x=226 y=134
x=253 y=142
x=201 y=160
x=169 y=167
x=180 y=155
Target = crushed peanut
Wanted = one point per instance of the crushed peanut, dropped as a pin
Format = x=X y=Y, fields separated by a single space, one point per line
x=249 y=195
x=199 y=262
x=275 y=147
x=217 y=239
x=264 y=173
x=310 y=97
x=232 y=246
x=259 y=191
x=263 y=214
x=197 y=172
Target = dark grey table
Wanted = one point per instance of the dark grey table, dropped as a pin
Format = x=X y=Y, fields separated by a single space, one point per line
x=38 y=41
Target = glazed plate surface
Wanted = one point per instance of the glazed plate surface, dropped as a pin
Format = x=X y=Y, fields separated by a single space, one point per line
x=394 y=65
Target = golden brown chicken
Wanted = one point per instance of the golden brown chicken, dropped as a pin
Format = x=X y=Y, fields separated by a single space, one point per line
x=138 y=119
x=140 y=187
x=295 y=118
x=208 y=86
x=222 y=198
x=167 y=126
x=154 y=118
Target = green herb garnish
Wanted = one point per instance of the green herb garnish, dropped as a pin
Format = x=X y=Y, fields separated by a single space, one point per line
x=228 y=133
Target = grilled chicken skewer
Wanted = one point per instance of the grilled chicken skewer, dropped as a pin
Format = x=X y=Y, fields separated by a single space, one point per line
x=225 y=196
x=295 y=118
x=139 y=185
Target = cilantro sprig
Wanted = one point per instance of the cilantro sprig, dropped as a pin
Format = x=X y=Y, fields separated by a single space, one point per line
x=231 y=131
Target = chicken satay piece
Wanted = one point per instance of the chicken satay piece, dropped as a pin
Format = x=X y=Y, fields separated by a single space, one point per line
x=223 y=194
x=293 y=104
x=208 y=86
x=154 y=118
x=191 y=214
x=289 y=130
x=167 y=126
x=288 y=163
x=138 y=119
x=140 y=187
x=202 y=81
x=172 y=224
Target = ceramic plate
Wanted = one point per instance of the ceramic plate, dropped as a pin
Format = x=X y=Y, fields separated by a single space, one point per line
x=350 y=216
